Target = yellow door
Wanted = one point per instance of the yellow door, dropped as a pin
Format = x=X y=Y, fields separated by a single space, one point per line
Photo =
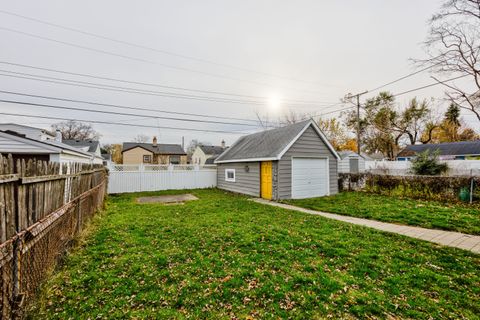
x=266 y=180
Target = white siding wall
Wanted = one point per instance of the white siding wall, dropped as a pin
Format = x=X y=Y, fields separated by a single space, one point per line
x=8 y=145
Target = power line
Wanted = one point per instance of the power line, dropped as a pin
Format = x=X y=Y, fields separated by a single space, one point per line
x=125 y=107
x=114 y=123
x=154 y=84
x=138 y=59
x=422 y=87
x=430 y=85
x=415 y=72
x=403 y=77
x=98 y=36
x=100 y=86
x=123 y=113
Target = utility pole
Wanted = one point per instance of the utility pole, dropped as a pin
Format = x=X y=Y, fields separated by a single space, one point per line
x=350 y=96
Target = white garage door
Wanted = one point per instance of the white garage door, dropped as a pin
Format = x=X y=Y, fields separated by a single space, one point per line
x=309 y=177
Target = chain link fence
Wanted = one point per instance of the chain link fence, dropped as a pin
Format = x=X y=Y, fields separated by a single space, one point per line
x=28 y=257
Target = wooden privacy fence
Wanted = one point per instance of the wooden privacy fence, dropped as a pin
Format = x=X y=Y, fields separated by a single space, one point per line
x=135 y=178
x=42 y=207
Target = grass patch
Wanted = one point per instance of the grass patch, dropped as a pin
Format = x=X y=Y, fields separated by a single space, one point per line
x=224 y=257
x=428 y=214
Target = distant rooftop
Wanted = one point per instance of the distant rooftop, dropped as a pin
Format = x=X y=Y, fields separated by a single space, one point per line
x=444 y=149
x=92 y=145
x=160 y=148
x=212 y=150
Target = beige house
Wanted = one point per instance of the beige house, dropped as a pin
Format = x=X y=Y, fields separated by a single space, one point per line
x=207 y=154
x=153 y=153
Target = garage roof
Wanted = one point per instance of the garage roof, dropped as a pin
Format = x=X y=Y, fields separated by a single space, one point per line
x=270 y=144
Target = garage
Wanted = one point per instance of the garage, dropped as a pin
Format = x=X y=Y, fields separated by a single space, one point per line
x=309 y=177
x=291 y=162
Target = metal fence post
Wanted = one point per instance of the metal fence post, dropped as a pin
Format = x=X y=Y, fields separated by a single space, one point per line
x=471 y=186
x=17 y=298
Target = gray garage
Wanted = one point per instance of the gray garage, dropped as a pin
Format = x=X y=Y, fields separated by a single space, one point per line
x=290 y=162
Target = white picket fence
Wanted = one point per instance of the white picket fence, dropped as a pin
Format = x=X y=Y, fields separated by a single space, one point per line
x=456 y=167
x=136 y=178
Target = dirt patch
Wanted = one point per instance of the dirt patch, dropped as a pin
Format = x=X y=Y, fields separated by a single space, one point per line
x=168 y=199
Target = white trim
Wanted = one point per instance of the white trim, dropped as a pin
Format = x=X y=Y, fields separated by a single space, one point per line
x=310 y=157
x=226 y=175
x=81 y=155
x=247 y=160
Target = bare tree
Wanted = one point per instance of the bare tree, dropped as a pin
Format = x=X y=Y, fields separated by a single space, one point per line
x=75 y=130
x=453 y=49
x=141 y=138
x=292 y=116
x=193 y=145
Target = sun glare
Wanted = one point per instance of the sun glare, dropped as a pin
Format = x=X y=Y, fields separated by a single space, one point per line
x=274 y=102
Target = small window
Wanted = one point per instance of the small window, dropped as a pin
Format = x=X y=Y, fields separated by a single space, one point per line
x=147 y=158
x=230 y=175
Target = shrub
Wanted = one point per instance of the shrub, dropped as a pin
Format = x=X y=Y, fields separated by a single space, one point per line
x=427 y=164
x=417 y=187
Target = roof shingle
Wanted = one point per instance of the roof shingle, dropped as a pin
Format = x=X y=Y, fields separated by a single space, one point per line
x=265 y=144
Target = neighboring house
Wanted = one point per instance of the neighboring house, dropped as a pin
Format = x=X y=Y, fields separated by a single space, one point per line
x=153 y=153
x=22 y=147
x=90 y=146
x=107 y=159
x=463 y=150
x=350 y=162
x=295 y=161
x=29 y=132
x=207 y=154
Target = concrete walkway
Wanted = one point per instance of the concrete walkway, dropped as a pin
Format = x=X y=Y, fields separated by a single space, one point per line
x=446 y=238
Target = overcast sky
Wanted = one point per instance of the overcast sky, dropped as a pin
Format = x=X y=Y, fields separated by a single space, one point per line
x=307 y=51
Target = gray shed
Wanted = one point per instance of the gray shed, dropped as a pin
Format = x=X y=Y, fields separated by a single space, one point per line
x=351 y=162
x=291 y=162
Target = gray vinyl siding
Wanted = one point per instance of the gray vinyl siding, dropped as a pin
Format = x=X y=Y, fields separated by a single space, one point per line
x=245 y=182
x=308 y=145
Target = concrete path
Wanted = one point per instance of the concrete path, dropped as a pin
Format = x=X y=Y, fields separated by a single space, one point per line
x=446 y=238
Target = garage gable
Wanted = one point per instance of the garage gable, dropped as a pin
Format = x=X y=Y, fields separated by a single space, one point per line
x=323 y=166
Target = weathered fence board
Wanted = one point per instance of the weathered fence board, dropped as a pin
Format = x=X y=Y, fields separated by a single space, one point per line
x=42 y=207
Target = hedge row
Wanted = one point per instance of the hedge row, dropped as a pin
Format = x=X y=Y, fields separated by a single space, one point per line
x=418 y=187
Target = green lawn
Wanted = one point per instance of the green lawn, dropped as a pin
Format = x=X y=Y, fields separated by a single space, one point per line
x=429 y=214
x=224 y=257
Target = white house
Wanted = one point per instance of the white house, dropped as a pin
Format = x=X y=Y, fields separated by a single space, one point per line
x=22 y=145
x=29 y=132
x=207 y=154
x=90 y=146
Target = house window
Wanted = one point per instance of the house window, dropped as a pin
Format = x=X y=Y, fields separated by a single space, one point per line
x=147 y=158
x=174 y=159
x=230 y=175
